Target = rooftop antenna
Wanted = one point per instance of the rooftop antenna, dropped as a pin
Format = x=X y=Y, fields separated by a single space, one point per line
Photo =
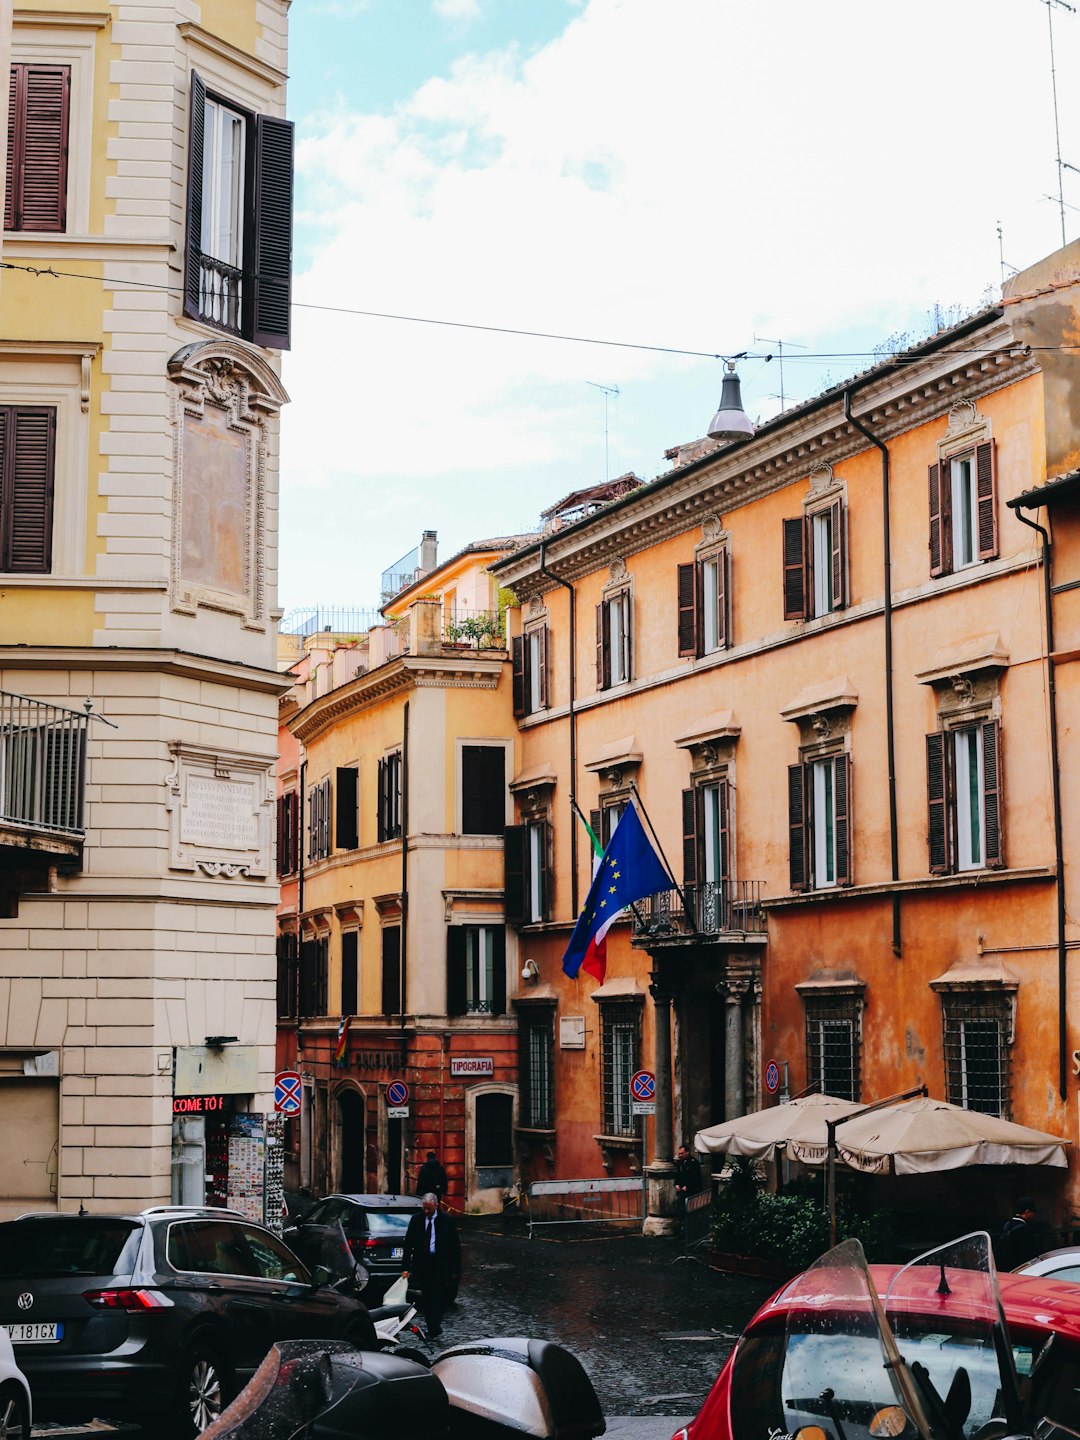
x=764 y=340
x=608 y=390
x=1061 y=166
x=1001 y=254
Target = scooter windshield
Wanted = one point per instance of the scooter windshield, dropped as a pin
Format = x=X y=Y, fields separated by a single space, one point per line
x=840 y=1376
x=945 y=1311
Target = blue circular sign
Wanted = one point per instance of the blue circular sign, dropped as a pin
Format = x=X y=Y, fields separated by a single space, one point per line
x=772 y=1077
x=397 y=1093
x=643 y=1085
x=288 y=1093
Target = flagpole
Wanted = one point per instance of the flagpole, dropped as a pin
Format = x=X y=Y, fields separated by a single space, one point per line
x=663 y=857
x=633 y=905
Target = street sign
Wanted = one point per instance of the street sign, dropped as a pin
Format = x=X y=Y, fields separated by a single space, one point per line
x=397 y=1112
x=288 y=1093
x=642 y=1107
x=772 y=1077
x=397 y=1094
x=643 y=1086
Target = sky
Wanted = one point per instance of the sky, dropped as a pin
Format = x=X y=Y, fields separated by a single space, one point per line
x=706 y=175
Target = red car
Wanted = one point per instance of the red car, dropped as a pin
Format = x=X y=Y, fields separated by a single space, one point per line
x=941 y=1349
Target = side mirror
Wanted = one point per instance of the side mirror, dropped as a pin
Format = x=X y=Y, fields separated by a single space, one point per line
x=320 y=1276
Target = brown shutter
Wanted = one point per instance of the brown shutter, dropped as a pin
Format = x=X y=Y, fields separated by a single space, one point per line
x=16 y=88
x=937 y=796
x=627 y=635
x=687 y=610
x=324 y=818
x=41 y=199
x=547 y=870
x=986 y=499
x=836 y=560
x=723 y=567
x=391 y=970
x=603 y=652
x=193 y=251
x=514 y=855
x=797 y=846
x=842 y=794
x=517 y=673
x=542 y=661
x=456 y=987
x=993 y=812
x=937 y=561
x=723 y=805
x=308 y=979
x=345 y=815
x=498 y=971
x=596 y=825
x=383 y=820
x=27 y=464
x=689 y=837
x=269 y=257
x=281 y=836
x=350 y=947
x=795 y=569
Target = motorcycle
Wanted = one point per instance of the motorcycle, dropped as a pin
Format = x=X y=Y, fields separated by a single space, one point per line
x=489 y=1390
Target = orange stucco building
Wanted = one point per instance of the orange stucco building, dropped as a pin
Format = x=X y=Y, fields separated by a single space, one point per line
x=819 y=657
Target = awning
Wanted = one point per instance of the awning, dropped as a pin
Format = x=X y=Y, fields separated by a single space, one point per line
x=761 y=1134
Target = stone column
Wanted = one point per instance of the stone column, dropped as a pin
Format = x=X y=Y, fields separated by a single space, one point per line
x=734 y=1050
x=660 y=1214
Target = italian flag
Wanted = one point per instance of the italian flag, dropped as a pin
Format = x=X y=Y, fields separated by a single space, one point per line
x=595 y=961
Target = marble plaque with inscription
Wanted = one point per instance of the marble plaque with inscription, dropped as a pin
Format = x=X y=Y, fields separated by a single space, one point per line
x=219 y=814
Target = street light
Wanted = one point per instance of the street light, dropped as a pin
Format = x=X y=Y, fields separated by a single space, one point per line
x=731 y=421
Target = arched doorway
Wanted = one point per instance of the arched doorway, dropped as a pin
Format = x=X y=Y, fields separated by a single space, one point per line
x=350 y=1141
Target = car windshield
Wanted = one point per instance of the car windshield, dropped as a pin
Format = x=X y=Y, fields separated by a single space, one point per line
x=389 y=1224
x=82 y=1245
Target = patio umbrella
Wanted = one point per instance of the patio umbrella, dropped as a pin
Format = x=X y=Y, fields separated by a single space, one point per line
x=924 y=1135
x=758 y=1135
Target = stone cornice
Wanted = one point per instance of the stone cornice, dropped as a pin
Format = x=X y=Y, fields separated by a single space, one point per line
x=451 y=671
x=167 y=662
x=904 y=396
x=268 y=74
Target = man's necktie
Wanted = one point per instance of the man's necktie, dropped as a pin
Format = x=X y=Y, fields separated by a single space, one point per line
x=430 y=1232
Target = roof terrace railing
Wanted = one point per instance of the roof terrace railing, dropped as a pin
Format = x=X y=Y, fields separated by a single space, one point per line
x=42 y=764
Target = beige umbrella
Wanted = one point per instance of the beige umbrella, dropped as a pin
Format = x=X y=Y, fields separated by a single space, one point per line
x=798 y=1122
x=924 y=1135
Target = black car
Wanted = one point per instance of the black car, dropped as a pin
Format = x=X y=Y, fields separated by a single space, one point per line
x=374 y=1227
x=159 y=1316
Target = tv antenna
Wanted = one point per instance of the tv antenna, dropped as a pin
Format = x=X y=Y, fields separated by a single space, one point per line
x=608 y=390
x=1061 y=165
x=764 y=340
x=1001 y=253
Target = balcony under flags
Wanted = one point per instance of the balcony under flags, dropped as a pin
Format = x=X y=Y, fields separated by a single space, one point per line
x=720 y=909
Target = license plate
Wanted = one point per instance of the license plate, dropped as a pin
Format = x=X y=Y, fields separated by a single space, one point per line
x=396 y=1252
x=35 y=1332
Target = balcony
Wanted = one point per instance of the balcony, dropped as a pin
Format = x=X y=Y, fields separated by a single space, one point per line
x=220 y=297
x=727 y=909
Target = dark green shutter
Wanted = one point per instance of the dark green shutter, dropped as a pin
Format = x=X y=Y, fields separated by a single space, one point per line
x=993 y=812
x=797 y=846
x=842 y=792
x=455 y=970
x=937 y=795
x=346 y=835
x=193 y=250
x=498 y=971
x=350 y=954
x=391 y=970
x=270 y=260
x=689 y=837
x=514 y=858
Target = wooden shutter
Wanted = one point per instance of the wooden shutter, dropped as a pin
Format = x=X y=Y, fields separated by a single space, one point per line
x=842 y=795
x=603 y=651
x=307 y=978
x=313 y=822
x=324 y=817
x=723 y=802
x=797 y=838
x=14 y=145
x=837 y=567
x=41 y=183
x=596 y=825
x=937 y=796
x=281 y=856
x=986 y=499
x=350 y=956
x=515 y=854
x=547 y=872
x=292 y=830
x=795 y=569
x=322 y=968
x=687 y=610
x=27 y=466
x=723 y=565
x=626 y=600
x=517 y=673
x=456 y=988
x=483 y=789
x=993 y=811
x=193 y=245
x=542 y=661
x=498 y=971
x=345 y=816
x=382 y=824
x=689 y=837
x=391 y=970
x=268 y=260
x=937 y=551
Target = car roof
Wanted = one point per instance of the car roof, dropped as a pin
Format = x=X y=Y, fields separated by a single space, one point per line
x=380 y=1202
x=153 y=1212
x=1066 y=1255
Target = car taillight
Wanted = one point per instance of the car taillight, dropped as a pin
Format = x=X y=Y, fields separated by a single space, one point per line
x=129 y=1300
x=359 y=1246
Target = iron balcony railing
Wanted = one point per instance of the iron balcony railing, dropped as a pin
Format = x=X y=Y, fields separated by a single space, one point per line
x=42 y=764
x=721 y=907
x=220 y=294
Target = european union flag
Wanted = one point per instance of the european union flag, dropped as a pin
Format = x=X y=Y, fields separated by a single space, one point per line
x=630 y=870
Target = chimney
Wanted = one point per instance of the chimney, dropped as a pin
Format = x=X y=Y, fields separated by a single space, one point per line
x=429 y=551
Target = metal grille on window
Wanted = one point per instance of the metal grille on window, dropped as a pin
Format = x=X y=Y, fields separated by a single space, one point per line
x=832 y=1046
x=538 y=1088
x=621 y=1042
x=976 y=1041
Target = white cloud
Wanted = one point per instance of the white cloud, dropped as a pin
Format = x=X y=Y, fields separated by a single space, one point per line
x=689 y=174
x=457 y=9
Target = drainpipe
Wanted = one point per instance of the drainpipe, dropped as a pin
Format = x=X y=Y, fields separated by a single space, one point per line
x=890 y=725
x=573 y=724
x=402 y=959
x=1055 y=780
x=299 y=901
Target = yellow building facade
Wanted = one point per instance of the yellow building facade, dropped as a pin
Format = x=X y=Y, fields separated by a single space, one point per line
x=148 y=231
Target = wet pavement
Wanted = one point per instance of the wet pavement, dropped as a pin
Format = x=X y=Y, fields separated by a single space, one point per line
x=651 y=1329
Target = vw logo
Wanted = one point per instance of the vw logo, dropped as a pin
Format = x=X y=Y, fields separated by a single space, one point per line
x=25 y=1300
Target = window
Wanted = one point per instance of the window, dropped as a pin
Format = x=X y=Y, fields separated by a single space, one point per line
x=537 y=1050
x=833 y=1035
x=350 y=972
x=390 y=797
x=314 y=965
x=529 y=657
x=346 y=815
x=27 y=468
x=391 y=970
x=819 y=819
x=286 y=976
x=602 y=822
x=621 y=1026
x=702 y=604
x=39 y=102
x=288 y=832
x=239 y=222
x=613 y=640
x=483 y=789
x=319 y=821
x=706 y=854
x=963 y=510
x=494 y=1130
x=963 y=781
x=475 y=970
x=527 y=883
x=815 y=581
x=977 y=1038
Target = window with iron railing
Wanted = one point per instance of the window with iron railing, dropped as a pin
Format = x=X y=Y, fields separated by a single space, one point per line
x=537 y=1080
x=621 y=1028
x=833 y=1035
x=977 y=1032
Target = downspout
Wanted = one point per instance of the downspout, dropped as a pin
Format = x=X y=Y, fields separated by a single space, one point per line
x=550 y=574
x=402 y=958
x=1055 y=781
x=299 y=902
x=890 y=721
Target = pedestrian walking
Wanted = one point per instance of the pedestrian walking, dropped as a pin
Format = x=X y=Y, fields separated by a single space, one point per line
x=433 y=1260
x=432 y=1177
x=687 y=1176
x=1020 y=1238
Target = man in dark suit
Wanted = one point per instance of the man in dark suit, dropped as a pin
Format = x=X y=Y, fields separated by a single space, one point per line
x=433 y=1259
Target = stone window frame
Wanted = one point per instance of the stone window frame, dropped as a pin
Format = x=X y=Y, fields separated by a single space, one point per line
x=843 y=1000
x=826 y=492
x=825 y=723
x=619 y=584
x=966 y=430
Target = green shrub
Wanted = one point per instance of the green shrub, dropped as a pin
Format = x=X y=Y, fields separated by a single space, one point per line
x=790 y=1229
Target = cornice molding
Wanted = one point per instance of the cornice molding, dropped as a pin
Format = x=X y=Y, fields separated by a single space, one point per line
x=196 y=35
x=169 y=662
x=62 y=19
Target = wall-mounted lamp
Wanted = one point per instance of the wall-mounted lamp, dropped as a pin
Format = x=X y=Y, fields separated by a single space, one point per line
x=731 y=421
x=218 y=1042
x=530 y=970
